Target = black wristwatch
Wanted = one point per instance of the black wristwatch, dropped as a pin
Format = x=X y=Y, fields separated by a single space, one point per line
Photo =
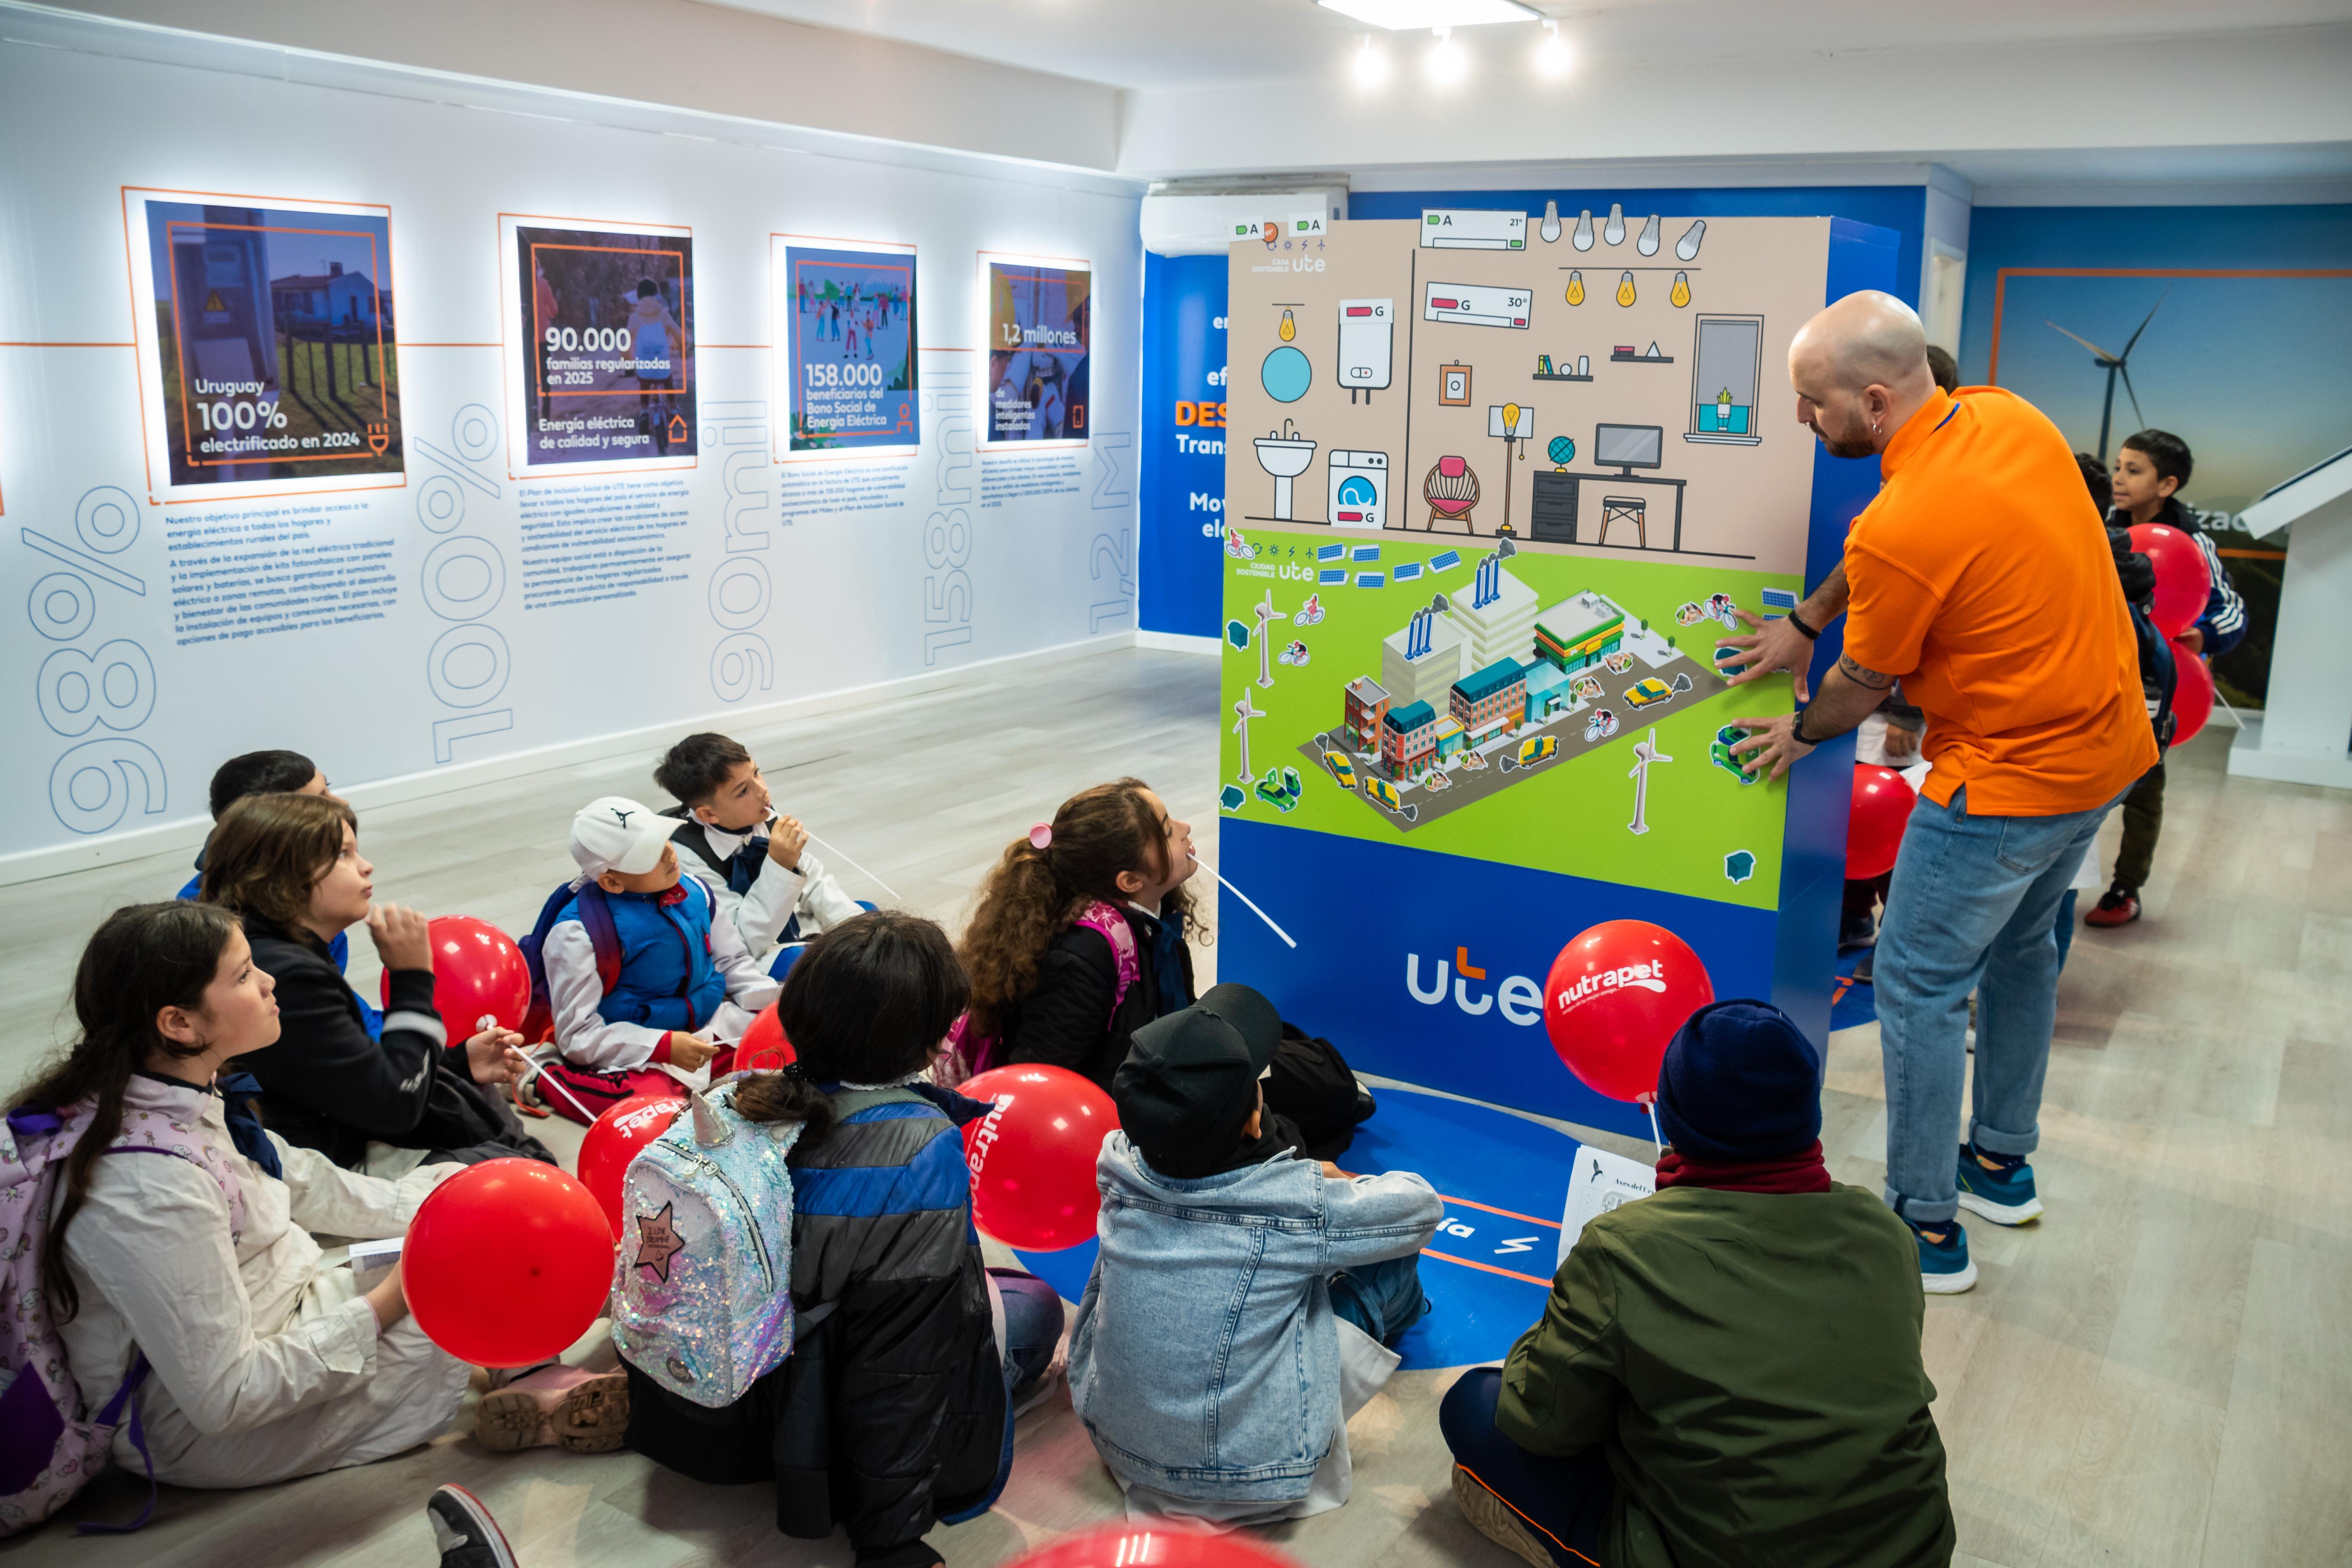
x=1797 y=724
x=1796 y=621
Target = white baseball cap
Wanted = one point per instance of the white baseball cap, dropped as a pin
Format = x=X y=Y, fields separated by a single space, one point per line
x=612 y=833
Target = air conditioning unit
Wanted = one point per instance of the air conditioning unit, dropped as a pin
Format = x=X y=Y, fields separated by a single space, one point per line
x=1187 y=217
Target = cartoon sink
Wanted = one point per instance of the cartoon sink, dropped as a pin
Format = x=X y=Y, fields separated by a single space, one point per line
x=1600 y=726
x=1341 y=768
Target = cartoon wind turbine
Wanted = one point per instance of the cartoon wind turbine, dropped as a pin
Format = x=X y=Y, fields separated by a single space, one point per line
x=1645 y=754
x=1266 y=615
x=1244 y=711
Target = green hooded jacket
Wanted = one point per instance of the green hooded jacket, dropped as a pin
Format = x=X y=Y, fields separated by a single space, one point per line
x=1749 y=1364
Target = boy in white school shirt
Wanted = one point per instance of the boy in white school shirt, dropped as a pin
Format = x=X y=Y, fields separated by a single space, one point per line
x=757 y=862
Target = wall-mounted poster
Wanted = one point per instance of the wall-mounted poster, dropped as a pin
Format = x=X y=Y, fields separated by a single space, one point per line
x=1038 y=324
x=599 y=335
x=845 y=364
x=266 y=342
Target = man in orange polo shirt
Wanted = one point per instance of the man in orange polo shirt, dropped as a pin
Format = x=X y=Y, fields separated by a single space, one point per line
x=1982 y=578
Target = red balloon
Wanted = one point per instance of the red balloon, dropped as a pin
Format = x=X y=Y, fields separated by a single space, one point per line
x=2183 y=580
x=1614 y=998
x=507 y=1263
x=2192 y=694
x=1882 y=800
x=1167 y=1543
x=763 y=1048
x=477 y=972
x=613 y=1140
x=1033 y=1157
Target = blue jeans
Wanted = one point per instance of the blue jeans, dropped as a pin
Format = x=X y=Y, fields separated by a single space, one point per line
x=1973 y=908
x=1565 y=1501
x=1032 y=1327
x=2065 y=928
x=1382 y=1298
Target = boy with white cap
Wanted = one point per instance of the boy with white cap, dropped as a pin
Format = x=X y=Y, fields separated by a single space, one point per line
x=643 y=986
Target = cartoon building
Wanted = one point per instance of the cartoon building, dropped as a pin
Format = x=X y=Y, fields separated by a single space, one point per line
x=1420 y=662
x=1491 y=701
x=1408 y=738
x=1367 y=703
x=1450 y=739
x=1547 y=690
x=1578 y=632
x=1498 y=617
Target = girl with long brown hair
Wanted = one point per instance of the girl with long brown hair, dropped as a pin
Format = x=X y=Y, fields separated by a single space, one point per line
x=1079 y=940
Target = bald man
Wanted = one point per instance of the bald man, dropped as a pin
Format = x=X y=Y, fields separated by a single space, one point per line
x=1981 y=577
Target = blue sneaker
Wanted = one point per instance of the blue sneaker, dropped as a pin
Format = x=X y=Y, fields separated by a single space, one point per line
x=1943 y=1266
x=2000 y=1188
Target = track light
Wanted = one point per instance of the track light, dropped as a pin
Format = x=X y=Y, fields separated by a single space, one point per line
x=1446 y=64
x=1371 y=67
x=1553 y=57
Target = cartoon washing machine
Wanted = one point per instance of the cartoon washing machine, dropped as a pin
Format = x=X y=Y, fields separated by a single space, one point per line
x=1359 y=489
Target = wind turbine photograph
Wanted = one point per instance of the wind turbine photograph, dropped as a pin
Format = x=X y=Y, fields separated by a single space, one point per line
x=2117 y=365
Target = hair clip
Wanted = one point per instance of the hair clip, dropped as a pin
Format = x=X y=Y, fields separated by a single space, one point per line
x=1042 y=835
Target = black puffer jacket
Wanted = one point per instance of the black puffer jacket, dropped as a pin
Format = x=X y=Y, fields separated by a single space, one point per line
x=890 y=1415
x=328 y=1085
x=1066 y=1020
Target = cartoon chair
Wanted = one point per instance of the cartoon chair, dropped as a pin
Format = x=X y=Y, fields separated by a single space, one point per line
x=1451 y=488
x=1625 y=509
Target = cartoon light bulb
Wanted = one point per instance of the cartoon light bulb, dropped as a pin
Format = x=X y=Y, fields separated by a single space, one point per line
x=1575 y=286
x=1625 y=289
x=1682 y=290
x=1687 y=245
x=1582 y=238
x=1614 y=232
x=1648 y=244
x=1550 y=229
x=1289 y=327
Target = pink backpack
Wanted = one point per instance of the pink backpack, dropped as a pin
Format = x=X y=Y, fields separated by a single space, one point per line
x=968 y=1054
x=50 y=1448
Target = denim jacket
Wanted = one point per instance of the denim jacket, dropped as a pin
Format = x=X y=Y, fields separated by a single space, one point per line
x=1205 y=1361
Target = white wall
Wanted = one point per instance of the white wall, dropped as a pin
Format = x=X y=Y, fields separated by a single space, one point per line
x=849 y=600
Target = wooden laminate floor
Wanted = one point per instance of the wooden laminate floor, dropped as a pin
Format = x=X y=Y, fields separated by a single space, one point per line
x=2158 y=1373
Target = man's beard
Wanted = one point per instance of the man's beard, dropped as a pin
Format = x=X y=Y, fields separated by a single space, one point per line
x=1841 y=449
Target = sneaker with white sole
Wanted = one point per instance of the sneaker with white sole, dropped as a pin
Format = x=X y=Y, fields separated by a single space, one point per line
x=2001 y=1188
x=1945 y=1268
x=464 y=1533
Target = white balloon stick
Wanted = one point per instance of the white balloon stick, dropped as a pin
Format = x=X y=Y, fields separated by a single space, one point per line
x=1245 y=898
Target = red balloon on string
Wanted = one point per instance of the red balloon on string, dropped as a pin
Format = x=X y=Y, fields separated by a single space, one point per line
x=2183 y=579
x=613 y=1140
x=1033 y=1157
x=477 y=972
x=763 y=1048
x=507 y=1263
x=1162 y=1544
x=1616 y=997
x=2192 y=694
x=1882 y=800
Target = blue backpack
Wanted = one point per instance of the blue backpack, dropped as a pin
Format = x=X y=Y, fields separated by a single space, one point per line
x=603 y=937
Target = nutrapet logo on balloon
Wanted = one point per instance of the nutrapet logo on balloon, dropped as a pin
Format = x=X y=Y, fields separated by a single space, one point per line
x=1517 y=998
x=1649 y=977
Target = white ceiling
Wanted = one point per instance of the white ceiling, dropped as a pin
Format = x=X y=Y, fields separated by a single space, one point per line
x=1160 y=44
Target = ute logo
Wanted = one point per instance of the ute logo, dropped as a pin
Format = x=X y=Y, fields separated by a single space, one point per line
x=1647 y=976
x=1517 y=998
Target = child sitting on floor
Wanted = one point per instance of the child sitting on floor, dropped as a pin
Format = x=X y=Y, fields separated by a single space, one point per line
x=1080 y=940
x=1221 y=1249
x=1727 y=1371
x=757 y=861
x=645 y=988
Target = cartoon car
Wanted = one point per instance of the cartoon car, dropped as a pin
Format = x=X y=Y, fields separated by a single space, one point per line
x=1720 y=752
x=1294 y=654
x=1281 y=787
x=1600 y=726
x=1384 y=792
x=1618 y=663
x=1341 y=768
x=1648 y=693
x=1542 y=748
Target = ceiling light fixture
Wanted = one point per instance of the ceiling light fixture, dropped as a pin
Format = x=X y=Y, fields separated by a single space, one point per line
x=1371 y=67
x=1404 y=15
x=1446 y=63
x=1553 y=56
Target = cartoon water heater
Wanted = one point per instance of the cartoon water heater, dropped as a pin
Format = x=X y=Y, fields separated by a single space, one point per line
x=1367 y=346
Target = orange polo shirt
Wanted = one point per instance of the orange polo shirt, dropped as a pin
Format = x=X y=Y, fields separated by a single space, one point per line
x=1982 y=577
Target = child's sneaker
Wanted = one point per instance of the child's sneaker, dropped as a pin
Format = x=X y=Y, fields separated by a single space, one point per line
x=1496 y=1519
x=580 y=1411
x=1943 y=1266
x=1997 y=1186
x=464 y=1533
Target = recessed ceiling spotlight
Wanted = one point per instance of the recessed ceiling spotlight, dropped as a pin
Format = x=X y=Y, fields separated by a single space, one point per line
x=1371 y=65
x=1554 y=58
x=1400 y=15
x=1446 y=63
